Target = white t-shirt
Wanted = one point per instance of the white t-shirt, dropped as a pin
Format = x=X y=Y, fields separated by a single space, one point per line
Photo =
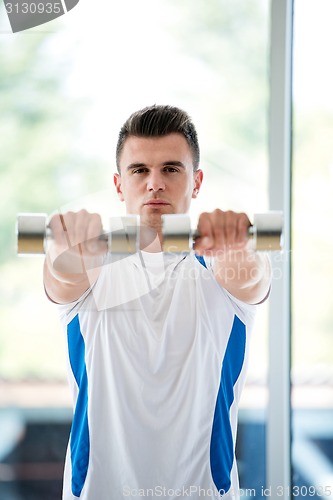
x=157 y=359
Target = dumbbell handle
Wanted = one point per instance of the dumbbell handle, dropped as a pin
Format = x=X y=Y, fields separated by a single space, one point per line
x=122 y=237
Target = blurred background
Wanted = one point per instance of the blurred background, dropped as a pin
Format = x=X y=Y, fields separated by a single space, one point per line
x=66 y=89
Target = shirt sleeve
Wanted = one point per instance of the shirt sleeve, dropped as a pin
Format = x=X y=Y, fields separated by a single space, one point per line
x=244 y=310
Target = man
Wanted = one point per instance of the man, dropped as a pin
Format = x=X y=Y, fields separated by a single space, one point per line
x=157 y=342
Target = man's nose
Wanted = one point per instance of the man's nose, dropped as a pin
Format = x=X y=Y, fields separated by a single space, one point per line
x=155 y=182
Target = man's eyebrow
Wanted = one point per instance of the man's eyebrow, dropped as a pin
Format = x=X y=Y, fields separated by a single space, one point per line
x=173 y=163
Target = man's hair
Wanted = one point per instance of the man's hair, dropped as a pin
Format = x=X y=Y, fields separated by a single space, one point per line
x=157 y=121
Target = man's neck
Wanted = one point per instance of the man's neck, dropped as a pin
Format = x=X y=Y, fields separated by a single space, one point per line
x=150 y=239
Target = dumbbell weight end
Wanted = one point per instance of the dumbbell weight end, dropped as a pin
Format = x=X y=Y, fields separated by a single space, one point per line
x=31 y=233
x=267 y=231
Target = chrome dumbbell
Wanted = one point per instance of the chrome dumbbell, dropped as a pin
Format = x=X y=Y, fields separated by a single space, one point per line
x=123 y=235
x=266 y=232
x=33 y=234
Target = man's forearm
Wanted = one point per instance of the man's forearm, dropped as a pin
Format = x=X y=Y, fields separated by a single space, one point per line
x=244 y=273
x=63 y=288
x=74 y=258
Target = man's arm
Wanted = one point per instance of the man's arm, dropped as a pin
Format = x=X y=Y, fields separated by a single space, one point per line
x=74 y=256
x=244 y=273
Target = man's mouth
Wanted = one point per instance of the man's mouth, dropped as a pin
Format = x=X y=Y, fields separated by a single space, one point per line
x=156 y=203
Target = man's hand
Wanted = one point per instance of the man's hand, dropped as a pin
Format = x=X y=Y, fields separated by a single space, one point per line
x=221 y=231
x=75 y=246
x=73 y=251
x=246 y=274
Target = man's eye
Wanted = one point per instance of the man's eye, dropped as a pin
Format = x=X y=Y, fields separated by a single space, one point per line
x=170 y=169
x=139 y=170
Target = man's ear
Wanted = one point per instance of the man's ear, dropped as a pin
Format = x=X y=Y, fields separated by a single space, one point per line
x=198 y=177
x=117 y=183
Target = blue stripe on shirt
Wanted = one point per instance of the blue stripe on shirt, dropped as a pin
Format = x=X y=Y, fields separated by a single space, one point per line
x=222 y=446
x=79 y=440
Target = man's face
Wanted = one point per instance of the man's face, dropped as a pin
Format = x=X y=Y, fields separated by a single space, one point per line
x=156 y=176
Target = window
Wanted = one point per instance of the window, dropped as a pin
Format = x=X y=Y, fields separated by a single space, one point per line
x=312 y=340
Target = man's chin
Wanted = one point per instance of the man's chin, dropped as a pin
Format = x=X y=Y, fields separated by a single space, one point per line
x=151 y=219
x=154 y=214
